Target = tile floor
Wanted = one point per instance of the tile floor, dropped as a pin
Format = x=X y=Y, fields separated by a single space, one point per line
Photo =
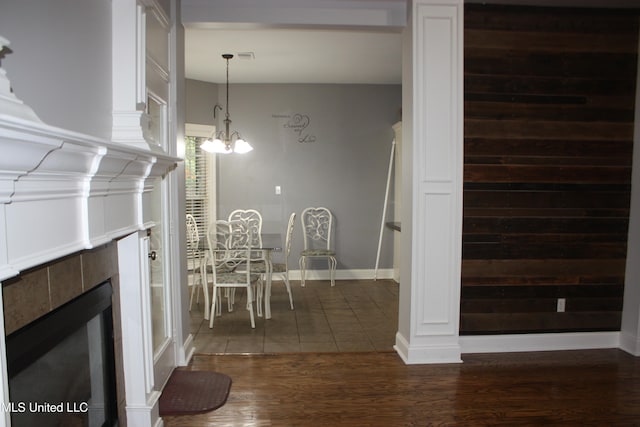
x=355 y=315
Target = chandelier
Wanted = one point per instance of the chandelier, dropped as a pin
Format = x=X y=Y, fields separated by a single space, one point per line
x=226 y=141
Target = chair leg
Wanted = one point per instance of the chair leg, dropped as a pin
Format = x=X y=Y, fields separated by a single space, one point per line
x=216 y=305
x=302 y=262
x=212 y=312
x=266 y=290
x=219 y=303
x=259 y=296
x=332 y=268
x=250 y=306
x=285 y=278
x=193 y=291
x=195 y=279
x=204 y=280
x=230 y=293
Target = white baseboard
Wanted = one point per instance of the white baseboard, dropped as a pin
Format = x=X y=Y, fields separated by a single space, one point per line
x=506 y=344
x=630 y=344
x=539 y=342
x=439 y=352
x=187 y=351
x=354 y=274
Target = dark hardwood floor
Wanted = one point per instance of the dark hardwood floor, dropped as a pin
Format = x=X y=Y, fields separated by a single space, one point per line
x=569 y=388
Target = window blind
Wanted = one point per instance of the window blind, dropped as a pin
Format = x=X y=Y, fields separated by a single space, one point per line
x=196 y=179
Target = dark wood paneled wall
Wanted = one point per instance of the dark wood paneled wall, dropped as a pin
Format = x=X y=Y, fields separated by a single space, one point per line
x=549 y=109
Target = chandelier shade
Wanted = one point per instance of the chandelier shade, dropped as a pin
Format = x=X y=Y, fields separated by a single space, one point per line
x=215 y=146
x=226 y=141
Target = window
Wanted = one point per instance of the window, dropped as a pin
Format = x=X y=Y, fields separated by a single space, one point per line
x=197 y=176
x=200 y=172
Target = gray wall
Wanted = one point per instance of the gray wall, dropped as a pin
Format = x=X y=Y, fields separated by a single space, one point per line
x=344 y=168
x=61 y=61
x=200 y=97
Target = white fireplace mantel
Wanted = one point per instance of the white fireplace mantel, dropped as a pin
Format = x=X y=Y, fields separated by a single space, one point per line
x=62 y=191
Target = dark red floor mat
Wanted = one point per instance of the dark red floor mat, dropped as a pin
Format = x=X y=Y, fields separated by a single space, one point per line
x=194 y=392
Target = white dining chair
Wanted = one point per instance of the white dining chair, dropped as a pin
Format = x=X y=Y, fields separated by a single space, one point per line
x=218 y=235
x=225 y=276
x=246 y=232
x=194 y=259
x=317 y=230
x=279 y=270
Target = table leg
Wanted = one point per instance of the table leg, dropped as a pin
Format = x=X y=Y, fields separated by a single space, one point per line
x=267 y=291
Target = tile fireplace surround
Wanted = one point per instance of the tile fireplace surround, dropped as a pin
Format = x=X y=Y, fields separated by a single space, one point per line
x=44 y=288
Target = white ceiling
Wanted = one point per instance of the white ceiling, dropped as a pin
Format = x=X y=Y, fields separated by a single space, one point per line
x=315 y=54
x=294 y=55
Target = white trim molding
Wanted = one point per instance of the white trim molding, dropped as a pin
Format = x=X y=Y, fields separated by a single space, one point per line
x=539 y=342
x=137 y=348
x=92 y=190
x=366 y=13
x=351 y=274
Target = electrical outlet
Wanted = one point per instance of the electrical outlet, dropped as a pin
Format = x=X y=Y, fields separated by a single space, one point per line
x=561 y=305
x=278 y=190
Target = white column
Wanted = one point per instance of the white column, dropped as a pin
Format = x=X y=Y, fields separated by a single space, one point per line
x=137 y=349
x=630 y=331
x=433 y=162
x=184 y=339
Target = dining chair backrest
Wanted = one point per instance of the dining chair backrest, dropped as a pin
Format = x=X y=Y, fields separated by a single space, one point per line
x=218 y=234
x=193 y=236
x=288 y=238
x=225 y=261
x=317 y=223
x=246 y=228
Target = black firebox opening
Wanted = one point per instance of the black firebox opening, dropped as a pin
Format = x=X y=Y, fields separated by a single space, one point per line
x=62 y=366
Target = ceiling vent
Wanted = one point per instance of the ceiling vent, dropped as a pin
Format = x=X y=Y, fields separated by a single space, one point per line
x=246 y=55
